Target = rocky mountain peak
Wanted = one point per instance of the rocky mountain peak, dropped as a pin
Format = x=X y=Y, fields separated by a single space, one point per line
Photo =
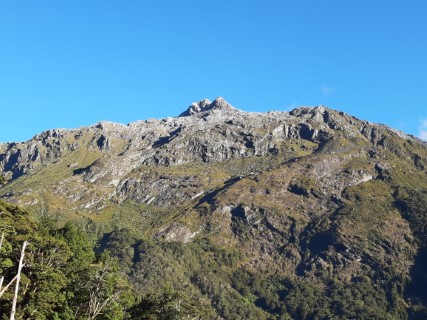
x=310 y=111
x=220 y=103
x=206 y=105
x=309 y=194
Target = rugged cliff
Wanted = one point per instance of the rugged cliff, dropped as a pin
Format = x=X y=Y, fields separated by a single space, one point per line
x=300 y=198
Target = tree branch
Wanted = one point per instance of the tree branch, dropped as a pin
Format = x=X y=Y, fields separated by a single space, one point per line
x=7 y=286
x=1 y=240
x=18 y=278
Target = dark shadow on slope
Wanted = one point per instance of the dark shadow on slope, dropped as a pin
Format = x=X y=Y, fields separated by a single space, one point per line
x=81 y=170
x=211 y=195
x=412 y=205
x=164 y=140
x=10 y=165
x=416 y=290
x=102 y=143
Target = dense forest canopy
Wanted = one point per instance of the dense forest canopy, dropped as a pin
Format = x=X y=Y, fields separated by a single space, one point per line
x=67 y=275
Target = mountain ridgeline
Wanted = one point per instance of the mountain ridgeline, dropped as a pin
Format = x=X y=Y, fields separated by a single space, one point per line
x=307 y=214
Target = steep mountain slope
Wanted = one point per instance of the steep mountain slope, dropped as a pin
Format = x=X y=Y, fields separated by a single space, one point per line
x=256 y=210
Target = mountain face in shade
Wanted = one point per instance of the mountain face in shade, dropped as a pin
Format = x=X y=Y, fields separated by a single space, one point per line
x=308 y=202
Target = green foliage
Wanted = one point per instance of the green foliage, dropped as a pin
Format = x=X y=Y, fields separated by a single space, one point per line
x=296 y=298
x=101 y=292
x=206 y=281
x=327 y=254
x=166 y=305
x=413 y=206
x=61 y=278
x=80 y=246
x=65 y=279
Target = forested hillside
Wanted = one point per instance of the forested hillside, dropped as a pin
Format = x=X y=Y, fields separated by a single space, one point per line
x=218 y=214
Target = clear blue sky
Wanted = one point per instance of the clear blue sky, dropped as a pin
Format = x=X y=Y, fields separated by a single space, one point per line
x=74 y=63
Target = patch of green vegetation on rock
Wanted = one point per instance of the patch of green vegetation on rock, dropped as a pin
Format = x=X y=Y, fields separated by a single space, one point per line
x=358 y=163
x=3 y=181
x=305 y=186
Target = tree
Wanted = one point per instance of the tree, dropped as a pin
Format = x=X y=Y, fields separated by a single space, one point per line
x=102 y=292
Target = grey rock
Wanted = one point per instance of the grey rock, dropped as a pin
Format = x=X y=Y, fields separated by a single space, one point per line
x=206 y=133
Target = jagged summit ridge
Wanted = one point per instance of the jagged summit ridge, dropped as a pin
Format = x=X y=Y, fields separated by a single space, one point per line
x=207 y=132
x=309 y=194
x=206 y=105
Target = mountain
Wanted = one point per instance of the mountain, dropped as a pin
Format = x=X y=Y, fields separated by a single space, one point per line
x=307 y=214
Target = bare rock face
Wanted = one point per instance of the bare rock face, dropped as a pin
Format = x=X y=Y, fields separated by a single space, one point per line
x=255 y=180
x=176 y=232
x=310 y=194
x=196 y=107
x=206 y=105
x=110 y=154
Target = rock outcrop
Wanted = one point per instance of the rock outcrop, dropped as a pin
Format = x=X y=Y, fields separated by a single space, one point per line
x=312 y=194
x=276 y=172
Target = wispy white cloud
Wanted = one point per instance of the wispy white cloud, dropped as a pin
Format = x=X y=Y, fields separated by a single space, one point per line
x=327 y=90
x=422 y=134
